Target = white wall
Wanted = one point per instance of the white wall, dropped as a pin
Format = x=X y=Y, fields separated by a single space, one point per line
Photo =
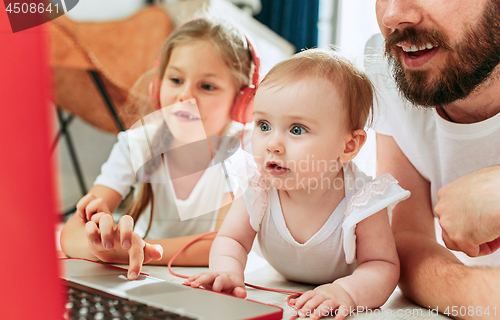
x=105 y=10
x=357 y=24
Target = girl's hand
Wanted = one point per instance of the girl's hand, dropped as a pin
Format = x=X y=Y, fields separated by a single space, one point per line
x=325 y=300
x=119 y=244
x=90 y=205
x=218 y=281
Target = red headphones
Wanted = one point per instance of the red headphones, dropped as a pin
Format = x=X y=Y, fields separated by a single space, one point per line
x=242 y=109
x=243 y=104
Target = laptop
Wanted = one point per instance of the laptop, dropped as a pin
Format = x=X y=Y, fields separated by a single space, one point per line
x=149 y=297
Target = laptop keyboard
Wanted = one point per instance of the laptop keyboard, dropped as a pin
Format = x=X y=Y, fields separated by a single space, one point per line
x=88 y=303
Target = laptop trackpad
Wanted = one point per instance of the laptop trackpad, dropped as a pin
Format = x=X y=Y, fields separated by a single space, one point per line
x=162 y=287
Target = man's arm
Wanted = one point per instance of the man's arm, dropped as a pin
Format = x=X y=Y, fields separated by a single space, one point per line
x=430 y=274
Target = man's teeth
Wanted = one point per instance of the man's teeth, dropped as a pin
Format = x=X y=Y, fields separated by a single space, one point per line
x=414 y=48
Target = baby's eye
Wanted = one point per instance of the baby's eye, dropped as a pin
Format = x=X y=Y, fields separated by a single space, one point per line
x=298 y=130
x=208 y=87
x=176 y=80
x=264 y=126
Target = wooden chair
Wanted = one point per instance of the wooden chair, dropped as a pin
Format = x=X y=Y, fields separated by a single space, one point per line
x=94 y=66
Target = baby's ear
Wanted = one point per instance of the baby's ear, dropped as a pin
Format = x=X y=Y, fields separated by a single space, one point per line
x=353 y=144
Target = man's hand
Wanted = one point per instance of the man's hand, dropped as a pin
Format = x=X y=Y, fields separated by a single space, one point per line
x=469 y=212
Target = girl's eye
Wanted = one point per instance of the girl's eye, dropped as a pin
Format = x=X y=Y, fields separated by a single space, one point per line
x=298 y=130
x=175 y=80
x=264 y=127
x=208 y=87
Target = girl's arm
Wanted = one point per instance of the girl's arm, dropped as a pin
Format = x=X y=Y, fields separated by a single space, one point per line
x=228 y=255
x=73 y=239
x=78 y=237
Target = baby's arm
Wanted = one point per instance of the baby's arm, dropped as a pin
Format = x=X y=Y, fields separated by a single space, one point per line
x=372 y=282
x=228 y=255
x=377 y=273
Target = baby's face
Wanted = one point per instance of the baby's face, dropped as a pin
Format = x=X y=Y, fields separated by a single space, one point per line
x=300 y=133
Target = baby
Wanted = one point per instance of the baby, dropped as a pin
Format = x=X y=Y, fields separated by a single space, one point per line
x=318 y=218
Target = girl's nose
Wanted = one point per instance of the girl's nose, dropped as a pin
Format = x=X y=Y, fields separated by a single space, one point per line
x=186 y=93
x=401 y=13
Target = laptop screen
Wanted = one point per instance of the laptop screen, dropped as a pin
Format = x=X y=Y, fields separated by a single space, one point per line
x=30 y=288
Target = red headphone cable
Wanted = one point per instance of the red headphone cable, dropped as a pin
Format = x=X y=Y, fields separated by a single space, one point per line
x=295 y=294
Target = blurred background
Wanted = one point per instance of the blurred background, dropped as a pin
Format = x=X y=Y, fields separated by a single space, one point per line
x=88 y=120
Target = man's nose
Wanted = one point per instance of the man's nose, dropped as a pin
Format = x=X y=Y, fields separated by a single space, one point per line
x=401 y=13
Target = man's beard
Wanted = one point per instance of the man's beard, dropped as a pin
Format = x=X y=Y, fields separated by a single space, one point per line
x=469 y=64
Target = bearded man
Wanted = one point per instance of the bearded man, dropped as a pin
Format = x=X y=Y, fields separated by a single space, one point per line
x=438 y=134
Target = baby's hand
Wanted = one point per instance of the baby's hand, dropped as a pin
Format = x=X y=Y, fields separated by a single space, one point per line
x=119 y=244
x=218 y=281
x=90 y=205
x=325 y=300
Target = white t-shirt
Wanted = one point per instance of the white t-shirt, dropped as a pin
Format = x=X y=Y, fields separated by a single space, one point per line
x=440 y=150
x=172 y=217
x=331 y=252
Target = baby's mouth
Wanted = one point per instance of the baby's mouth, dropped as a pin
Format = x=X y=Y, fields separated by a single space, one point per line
x=275 y=169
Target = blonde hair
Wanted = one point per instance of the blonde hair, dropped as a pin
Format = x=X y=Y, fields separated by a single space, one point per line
x=233 y=48
x=356 y=89
x=228 y=40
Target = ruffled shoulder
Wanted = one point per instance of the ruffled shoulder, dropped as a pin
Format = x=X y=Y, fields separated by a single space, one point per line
x=247 y=182
x=382 y=192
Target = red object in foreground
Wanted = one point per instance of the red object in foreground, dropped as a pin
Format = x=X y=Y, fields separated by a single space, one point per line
x=29 y=283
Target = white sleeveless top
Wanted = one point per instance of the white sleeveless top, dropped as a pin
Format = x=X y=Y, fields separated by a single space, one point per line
x=330 y=253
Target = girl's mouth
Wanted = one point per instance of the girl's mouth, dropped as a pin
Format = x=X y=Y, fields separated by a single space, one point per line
x=185 y=116
x=275 y=169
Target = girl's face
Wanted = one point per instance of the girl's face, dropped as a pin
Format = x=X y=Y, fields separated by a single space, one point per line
x=300 y=134
x=196 y=72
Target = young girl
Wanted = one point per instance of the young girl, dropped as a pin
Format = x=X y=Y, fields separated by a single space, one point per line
x=318 y=218
x=204 y=66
